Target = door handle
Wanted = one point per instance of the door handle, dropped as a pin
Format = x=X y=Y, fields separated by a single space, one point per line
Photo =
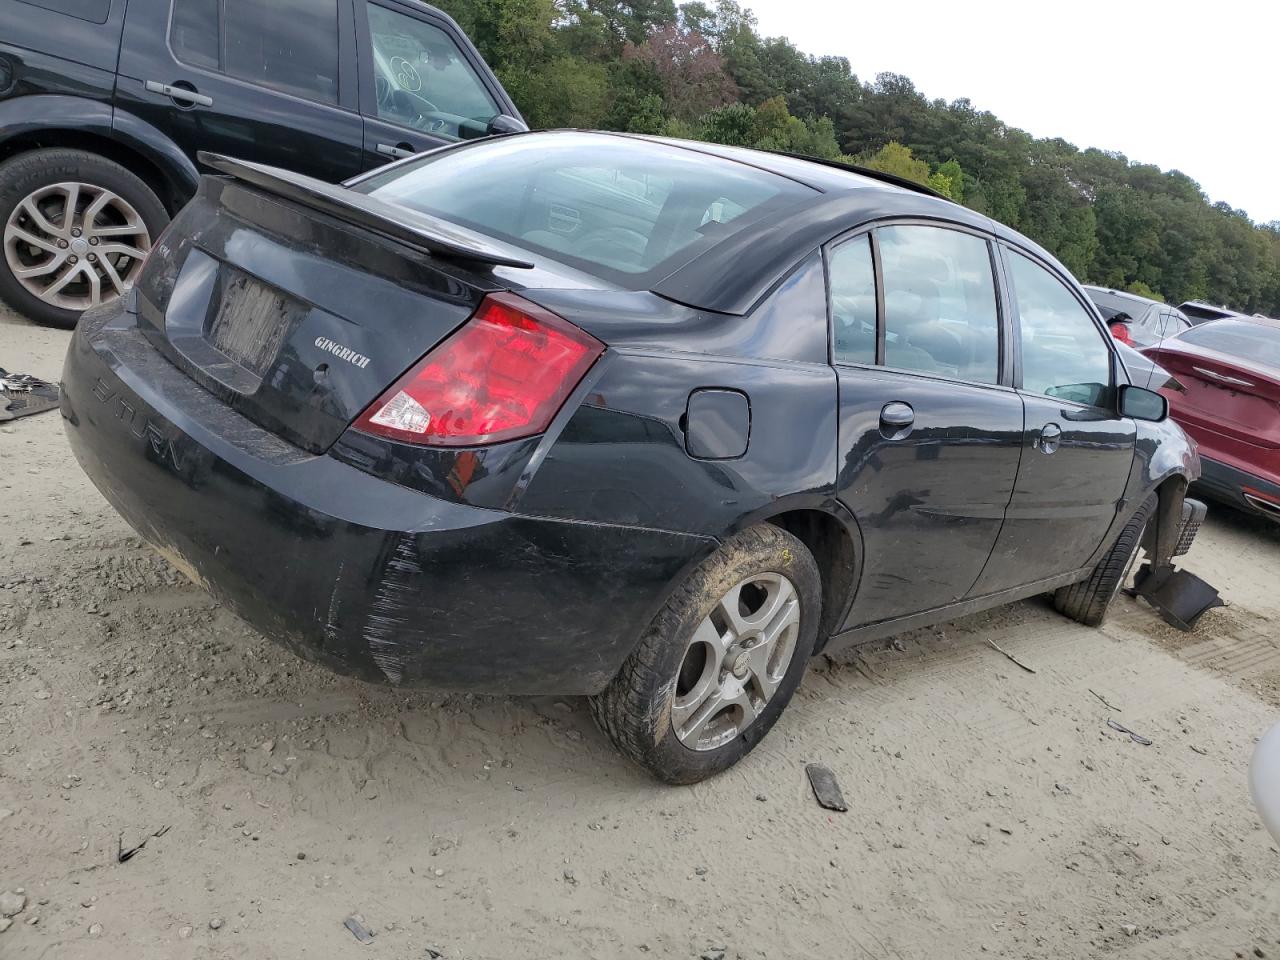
x=1050 y=438
x=399 y=152
x=896 y=419
x=179 y=93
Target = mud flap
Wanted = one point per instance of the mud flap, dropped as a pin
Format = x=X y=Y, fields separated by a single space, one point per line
x=1180 y=597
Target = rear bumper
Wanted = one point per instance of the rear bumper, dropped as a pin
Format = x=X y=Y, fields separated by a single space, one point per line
x=370 y=578
x=1241 y=489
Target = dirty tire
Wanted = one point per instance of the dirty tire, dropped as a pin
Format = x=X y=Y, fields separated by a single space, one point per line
x=27 y=172
x=634 y=711
x=1088 y=600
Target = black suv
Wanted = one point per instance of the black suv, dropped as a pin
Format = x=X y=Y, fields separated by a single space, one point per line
x=105 y=103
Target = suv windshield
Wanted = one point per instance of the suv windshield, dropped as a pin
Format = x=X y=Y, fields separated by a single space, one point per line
x=614 y=206
x=1258 y=343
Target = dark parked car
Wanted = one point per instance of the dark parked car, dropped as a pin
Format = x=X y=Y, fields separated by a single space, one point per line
x=1230 y=404
x=1137 y=321
x=651 y=421
x=103 y=109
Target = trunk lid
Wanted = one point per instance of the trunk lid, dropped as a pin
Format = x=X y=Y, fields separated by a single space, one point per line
x=297 y=303
x=1223 y=393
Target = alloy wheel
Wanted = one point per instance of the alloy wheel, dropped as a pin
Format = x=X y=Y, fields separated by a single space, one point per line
x=75 y=245
x=735 y=661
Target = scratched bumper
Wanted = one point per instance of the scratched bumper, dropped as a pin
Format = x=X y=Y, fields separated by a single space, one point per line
x=370 y=578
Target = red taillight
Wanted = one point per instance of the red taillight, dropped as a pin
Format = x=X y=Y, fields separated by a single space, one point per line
x=501 y=376
x=1121 y=332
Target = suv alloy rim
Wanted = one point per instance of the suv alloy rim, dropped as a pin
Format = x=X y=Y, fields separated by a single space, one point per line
x=735 y=661
x=75 y=245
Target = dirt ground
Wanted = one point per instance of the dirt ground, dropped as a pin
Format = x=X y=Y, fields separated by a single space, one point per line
x=992 y=811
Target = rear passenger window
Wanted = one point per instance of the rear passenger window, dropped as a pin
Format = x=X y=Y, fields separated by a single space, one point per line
x=853 y=302
x=939 y=303
x=1063 y=353
x=194 y=33
x=291 y=45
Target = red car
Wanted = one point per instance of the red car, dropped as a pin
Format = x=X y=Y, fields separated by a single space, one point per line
x=1230 y=370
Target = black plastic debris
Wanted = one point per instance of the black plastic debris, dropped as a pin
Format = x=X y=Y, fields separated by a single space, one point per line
x=22 y=395
x=825 y=788
x=123 y=855
x=1180 y=597
x=355 y=923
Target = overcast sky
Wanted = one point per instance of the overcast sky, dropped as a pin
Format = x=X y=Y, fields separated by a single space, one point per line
x=1187 y=87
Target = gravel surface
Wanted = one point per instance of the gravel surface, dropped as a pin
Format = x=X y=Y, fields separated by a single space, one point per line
x=992 y=811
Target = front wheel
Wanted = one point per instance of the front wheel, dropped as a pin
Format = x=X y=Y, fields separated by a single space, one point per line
x=1088 y=600
x=75 y=229
x=718 y=664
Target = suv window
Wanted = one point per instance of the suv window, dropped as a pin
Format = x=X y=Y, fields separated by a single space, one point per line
x=853 y=302
x=421 y=78
x=940 y=311
x=94 y=11
x=1063 y=353
x=290 y=45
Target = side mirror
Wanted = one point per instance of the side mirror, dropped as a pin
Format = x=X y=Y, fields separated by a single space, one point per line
x=1140 y=403
x=503 y=123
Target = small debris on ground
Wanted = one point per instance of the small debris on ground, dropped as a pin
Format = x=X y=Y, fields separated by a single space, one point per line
x=1109 y=706
x=123 y=855
x=11 y=904
x=355 y=923
x=996 y=647
x=1135 y=737
x=825 y=788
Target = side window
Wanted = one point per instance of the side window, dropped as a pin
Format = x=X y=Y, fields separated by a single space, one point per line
x=421 y=78
x=194 y=33
x=940 y=311
x=291 y=45
x=1063 y=354
x=853 y=302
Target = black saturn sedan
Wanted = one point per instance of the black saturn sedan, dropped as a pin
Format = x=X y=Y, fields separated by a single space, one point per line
x=645 y=420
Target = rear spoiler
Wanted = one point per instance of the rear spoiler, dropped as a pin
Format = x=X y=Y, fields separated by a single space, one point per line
x=419 y=230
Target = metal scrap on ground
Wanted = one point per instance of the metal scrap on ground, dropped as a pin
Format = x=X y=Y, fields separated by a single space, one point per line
x=22 y=395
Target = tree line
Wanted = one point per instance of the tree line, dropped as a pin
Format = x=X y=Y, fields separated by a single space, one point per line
x=702 y=71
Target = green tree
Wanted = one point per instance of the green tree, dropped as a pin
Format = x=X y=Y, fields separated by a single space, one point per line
x=896 y=159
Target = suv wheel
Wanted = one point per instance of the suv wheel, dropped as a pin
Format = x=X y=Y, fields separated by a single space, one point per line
x=75 y=229
x=721 y=660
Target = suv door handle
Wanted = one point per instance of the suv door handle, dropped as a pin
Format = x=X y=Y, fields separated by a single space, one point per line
x=1050 y=437
x=399 y=152
x=179 y=93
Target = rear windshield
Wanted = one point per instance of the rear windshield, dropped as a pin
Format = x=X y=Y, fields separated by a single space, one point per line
x=629 y=209
x=1258 y=343
x=1109 y=304
x=1196 y=312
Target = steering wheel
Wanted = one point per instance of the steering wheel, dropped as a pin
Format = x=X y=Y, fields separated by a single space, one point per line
x=414 y=108
x=406 y=74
